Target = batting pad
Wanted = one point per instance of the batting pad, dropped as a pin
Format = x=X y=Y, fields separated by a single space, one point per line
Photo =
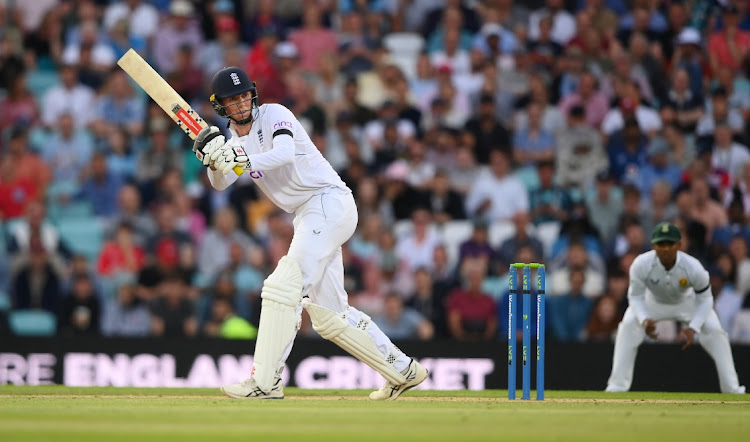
x=282 y=292
x=355 y=340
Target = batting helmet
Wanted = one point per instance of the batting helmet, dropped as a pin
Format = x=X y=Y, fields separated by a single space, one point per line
x=229 y=82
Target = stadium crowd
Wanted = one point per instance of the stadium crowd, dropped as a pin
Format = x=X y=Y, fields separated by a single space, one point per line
x=473 y=133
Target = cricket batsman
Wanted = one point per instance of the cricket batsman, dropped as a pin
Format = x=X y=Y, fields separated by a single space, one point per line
x=667 y=284
x=271 y=145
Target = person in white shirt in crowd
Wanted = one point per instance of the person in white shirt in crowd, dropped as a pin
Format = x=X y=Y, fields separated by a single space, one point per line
x=497 y=194
x=668 y=284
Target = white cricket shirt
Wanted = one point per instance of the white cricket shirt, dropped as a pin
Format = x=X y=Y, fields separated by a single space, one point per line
x=672 y=286
x=288 y=169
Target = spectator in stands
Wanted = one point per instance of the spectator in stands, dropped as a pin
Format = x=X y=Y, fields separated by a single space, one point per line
x=35 y=226
x=18 y=106
x=100 y=187
x=605 y=318
x=705 y=210
x=658 y=168
x=27 y=164
x=487 y=131
x=180 y=29
x=580 y=155
x=224 y=323
x=465 y=171
x=416 y=248
x=727 y=301
x=549 y=202
x=631 y=107
x=594 y=103
x=737 y=223
x=400 y=322
x=728 y=155
x=129 y=211
x=80 y=310
x=471 y=313
x=446 y=204
x=577 y=258
x=478 y=246
x=312 y=39
x=521 y=238
x=213 y=254
x=37 y=283
x=738 y=249
x=731 y=45
x=118 y=106
x=533 y=144
x=125 y=315
x=70 y=150
x=429 y=299
x=497 y=194
x=172 y=314
x=605 y=206
x=627 y=153
x=687 y=105
x=563 y=23
x=121 y=254
x=718 y=112
x=569 y=313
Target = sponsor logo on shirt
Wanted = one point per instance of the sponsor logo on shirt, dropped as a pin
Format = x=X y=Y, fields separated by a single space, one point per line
x=283 y=124
x=260 y=137
x=256 y=174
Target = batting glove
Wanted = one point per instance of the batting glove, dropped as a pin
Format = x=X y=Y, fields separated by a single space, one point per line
x=228 y=157
x=208 y=141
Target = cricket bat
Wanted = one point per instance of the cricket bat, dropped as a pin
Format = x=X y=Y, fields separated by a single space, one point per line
x=163 y=94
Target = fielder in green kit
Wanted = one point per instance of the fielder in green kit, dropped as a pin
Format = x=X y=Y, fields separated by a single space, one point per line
x=668 y=284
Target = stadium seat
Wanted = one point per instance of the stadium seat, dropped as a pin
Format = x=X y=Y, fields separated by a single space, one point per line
x=547 y=233
x=500 y=231
x=32 y=323
x=404 y=48
x=82 y=235
x=453 y=234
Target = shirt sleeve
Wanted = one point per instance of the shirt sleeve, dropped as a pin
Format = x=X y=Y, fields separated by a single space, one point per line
x=704 y=298
x=637 y=289
x=283 y=126
x=219 y=180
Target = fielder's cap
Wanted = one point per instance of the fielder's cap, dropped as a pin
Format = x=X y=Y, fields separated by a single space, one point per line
x=665 y=232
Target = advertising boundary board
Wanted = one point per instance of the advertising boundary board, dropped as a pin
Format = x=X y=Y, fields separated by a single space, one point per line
x=315 y=363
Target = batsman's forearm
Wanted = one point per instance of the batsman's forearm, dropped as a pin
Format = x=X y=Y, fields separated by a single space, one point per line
x=281 y=154
x=219 y=180
x=705 y=303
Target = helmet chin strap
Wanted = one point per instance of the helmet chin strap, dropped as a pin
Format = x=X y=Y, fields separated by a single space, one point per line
x=245 y=121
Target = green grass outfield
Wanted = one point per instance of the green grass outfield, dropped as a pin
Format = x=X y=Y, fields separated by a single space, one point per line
x=141 y=414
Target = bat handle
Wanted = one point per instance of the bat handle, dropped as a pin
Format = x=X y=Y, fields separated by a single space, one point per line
x=238 y=170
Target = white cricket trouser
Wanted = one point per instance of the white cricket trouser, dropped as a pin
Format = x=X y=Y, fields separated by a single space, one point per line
x=321 y=226
x=630 y=335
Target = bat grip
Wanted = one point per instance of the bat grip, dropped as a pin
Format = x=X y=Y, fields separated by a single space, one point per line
x=238 y=170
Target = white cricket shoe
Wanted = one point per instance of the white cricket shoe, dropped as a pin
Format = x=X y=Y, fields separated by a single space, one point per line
x=738 y=390
x=248 y=389
x=415 y=374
